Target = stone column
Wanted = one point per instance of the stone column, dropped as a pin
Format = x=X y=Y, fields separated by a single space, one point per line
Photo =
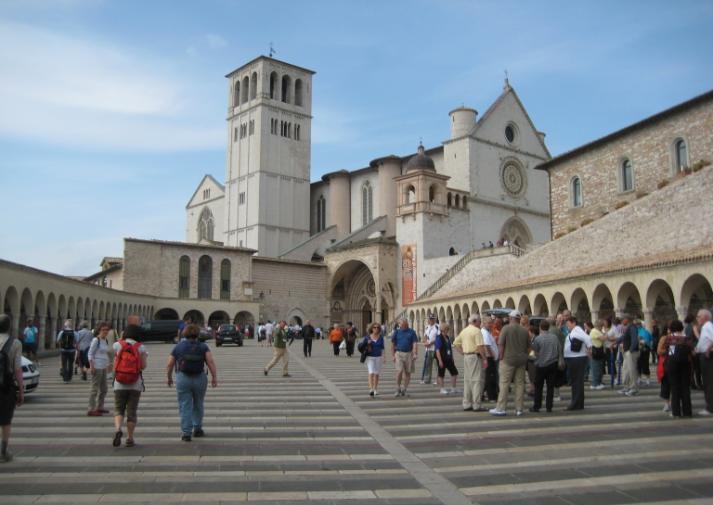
x=648 y=319
x=595 y=316
x=682 y=311
x=42 y=337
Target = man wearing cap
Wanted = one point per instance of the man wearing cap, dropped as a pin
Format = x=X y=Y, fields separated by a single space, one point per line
x=475 y=360
x=429 y=341
x=513 y=347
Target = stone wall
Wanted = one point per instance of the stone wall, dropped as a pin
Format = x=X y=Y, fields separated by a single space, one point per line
x=650 y=148
x=151 y=267
x=291 y=288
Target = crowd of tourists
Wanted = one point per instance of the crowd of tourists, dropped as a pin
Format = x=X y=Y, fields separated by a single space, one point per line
x=501 y=355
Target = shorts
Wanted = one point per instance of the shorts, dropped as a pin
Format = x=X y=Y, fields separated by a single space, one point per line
x=404 y=362
x=450 y=366
x=126 y=402
x=8 y=401
x=84 y=358
x=373 y=364
x=29 y=347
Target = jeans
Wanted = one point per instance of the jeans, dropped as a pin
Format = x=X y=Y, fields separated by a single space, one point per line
x=612 y=353
x=597 y=367
x=307 y=347
x=335 y=346
x=427 y=366
x=191 y=391
x=67 y=365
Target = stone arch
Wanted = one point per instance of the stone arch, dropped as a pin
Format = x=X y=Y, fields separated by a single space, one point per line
x=629 y=300
x=245 y=90
x=72 y=310
x=449 y=317
x=95 y=312
x=457 y=319
x=524 y=306
x=166 y=313
x=286 y=85
x=696 y=294
x=244 y=317
x=603 y=302
x=558 y=304
x=298 y=92
x=516 y=232
x=510 y=303
x=217 y=318
x=61 y=310
x=253 y=86
x=273 y=85
x=51 y=323
x=539 y=305
x=661 y=301
x=297 y=315
x=27 y=308
x=497 y=304
x=474 y=308
x=484 y=307
x=580 y=306
x=40 y=306
x=351 y=284
x=441 y=315
x=11 y=306
x=196 y=316
x=81 y=312
x=102 y=311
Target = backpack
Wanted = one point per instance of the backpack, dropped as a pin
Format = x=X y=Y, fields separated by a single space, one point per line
x=7 y=369
x=128 y=363
x=192 y=360
x=66 y=341
x=362 y=347
x=678 y=353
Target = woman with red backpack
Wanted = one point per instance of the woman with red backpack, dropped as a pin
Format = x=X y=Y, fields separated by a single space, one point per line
x=130 y=359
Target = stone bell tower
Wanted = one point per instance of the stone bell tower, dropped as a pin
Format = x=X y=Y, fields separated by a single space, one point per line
x=267 y=182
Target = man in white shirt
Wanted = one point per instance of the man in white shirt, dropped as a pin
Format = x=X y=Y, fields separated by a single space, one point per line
x=269 y=329
x=577 y=348
x=429 y=341
x=704 y=353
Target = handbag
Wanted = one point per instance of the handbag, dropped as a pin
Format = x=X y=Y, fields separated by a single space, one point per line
x=575 y=346
x=343 y=345
x=597 y=353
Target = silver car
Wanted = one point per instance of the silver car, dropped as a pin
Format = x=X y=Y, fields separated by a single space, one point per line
x=30 y=375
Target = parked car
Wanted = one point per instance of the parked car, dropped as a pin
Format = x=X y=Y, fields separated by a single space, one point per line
x=205 y=334
x=228 y=333
x=160 y=330
x=30 y=375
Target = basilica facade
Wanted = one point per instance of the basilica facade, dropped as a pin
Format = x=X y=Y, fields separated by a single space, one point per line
x=385 y=231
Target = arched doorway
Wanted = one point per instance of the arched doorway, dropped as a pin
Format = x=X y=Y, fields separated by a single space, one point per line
x=244 y=317
x=366 y=318
x=166 y=314
x=696 y=294
x=659 y=299
x=217 y=318
x=196 y=317
x=353 y=291
x=516 y=232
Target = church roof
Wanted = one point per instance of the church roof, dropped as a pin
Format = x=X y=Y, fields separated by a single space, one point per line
x=206 y=176
x=421 y=161
x=263 y=57
x=665 y=114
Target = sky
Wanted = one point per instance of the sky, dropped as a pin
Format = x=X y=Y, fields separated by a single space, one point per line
x=111 y=112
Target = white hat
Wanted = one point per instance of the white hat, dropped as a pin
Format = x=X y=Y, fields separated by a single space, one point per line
x=515 y=314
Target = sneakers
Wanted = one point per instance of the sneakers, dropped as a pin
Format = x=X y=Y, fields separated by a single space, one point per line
x=286 y=375
x=265 y=372
x=445 y=391
x=632 y=392
x=498 y=413
x=623 y=391
x=398 y=393
x=376 y=393
x=117 y=439
x=519 y=413
x=455 y=391
x=704 y=412
x=600 y=387
x=186 y=438
x=371 y=393
x=667 y=408
x=198 y=432
x=94 y=413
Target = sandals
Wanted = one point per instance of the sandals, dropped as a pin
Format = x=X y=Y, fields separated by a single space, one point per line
x=117 y=439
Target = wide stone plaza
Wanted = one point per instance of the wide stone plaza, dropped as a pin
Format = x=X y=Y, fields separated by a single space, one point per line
x=317 y=437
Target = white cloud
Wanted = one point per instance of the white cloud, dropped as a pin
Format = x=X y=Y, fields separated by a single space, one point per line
x=83 y=93
x=215 y=41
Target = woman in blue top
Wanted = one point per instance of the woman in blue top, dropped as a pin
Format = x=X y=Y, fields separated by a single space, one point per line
x=374 y=342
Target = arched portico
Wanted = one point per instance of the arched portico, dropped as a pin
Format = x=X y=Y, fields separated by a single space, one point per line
x=353 y=294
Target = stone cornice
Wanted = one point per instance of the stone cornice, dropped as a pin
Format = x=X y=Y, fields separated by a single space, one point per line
x=508 y=206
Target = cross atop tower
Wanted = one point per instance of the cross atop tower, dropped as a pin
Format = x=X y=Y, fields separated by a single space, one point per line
x=272 y=50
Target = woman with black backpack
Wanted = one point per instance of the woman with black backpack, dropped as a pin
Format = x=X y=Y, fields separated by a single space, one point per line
x=679 y=352
x=189 y=358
